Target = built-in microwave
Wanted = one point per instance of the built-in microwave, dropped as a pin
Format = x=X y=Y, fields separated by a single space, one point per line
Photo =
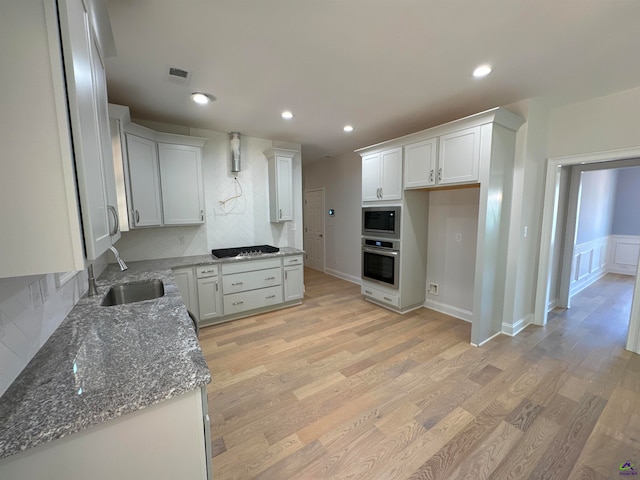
x=381 y=222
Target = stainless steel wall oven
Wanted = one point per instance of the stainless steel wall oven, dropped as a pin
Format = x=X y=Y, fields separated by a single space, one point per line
x=381 y=261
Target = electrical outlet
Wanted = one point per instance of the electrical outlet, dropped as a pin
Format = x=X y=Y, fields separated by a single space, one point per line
x=36 y=295
x=458 y=238
x=294 y=226
x=434 y=289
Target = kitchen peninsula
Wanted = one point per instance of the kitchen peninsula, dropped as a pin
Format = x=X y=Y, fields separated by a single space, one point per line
x=121 y=389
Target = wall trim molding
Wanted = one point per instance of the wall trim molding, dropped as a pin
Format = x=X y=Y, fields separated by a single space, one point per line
x=512 y=329
x=450 y=310
x=343 y=276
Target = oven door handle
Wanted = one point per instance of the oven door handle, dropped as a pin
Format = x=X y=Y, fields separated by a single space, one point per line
x=381 y=251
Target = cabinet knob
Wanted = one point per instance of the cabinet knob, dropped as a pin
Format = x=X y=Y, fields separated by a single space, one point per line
x=116 y=220
x=440 y=174
x=431 y=176
x=202 y=215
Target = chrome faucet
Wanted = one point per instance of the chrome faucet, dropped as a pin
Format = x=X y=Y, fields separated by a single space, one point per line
x=123 y=266
x=93 y=288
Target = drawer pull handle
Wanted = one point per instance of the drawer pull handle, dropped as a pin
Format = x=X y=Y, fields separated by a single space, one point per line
x=387 y=299
x=236 y=284
x=238 y=303
x=216 y=285
x=270 y=278
x=295 y=260
x=270 y=296
x=369 y=292
x=207 y=271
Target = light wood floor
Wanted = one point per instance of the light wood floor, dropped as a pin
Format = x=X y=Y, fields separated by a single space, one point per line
x=340 y=388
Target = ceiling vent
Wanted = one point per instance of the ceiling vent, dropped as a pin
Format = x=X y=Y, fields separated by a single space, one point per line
x=178 y=75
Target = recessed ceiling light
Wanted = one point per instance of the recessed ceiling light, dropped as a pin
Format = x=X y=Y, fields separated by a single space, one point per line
x=482 y=71
x=348 y=128
x=202 y=98
x=287 y=115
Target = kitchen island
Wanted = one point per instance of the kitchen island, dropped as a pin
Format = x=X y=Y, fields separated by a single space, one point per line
x=105 y=367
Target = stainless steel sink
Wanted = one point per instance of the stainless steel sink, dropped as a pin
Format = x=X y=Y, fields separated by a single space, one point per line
x=133 y=292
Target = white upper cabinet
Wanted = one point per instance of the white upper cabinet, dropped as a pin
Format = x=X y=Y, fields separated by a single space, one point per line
x=453 y=158
x=145 y=209
x=181 y=184
x=164 y=173
x=85 y=79
x=40 y=195
x=420 y=164
x=382 y=175
x=459 y=157
x=281 y=184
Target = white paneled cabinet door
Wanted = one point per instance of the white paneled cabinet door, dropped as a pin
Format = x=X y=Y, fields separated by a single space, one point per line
x=293 y=283
x=209 y=299
x=145 y=210
x=391 y=176
x=181 y=184
x=80 y=58
x=371 y=171
x=281 y=184
x=420 y=164
x=102 y=109
x=459 y=157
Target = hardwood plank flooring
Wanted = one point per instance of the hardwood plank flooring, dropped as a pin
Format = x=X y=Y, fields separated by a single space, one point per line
x=340 y=388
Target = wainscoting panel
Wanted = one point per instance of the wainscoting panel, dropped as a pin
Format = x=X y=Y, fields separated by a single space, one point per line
x=589 y=263
x=624 y=252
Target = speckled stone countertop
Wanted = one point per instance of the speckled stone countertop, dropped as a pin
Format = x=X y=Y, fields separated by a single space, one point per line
x=104 y=362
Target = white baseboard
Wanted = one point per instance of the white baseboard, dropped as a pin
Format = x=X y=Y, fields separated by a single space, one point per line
x=551 y=305
x=343 y=276
x=456 y=312
x=487 y=340
x=593 y=279
x=512 y=329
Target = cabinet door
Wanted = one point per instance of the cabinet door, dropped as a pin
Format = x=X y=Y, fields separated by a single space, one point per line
x=293 y=284
x=420 y=164
x=371 y=171
x=209 y=298
x=284 y=187
x=186 y=284
x=108 y=170
x=79 y=52
x=181 y=184
x=145 y=182
x=459 y=157
x=391 y=177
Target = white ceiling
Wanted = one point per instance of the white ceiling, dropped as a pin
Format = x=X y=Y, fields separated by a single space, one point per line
x=388 y=67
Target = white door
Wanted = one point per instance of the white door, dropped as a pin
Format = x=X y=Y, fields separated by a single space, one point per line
x=314 y=228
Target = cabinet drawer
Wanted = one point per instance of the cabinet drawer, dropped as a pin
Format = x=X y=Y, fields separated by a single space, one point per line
x=242 y=282
x=240 y=302
x=206 y=271
x=295 y=260
x=250 y=265
x=381 y=296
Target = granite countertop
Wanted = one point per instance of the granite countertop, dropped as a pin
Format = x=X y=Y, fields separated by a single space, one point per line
x=104 y=362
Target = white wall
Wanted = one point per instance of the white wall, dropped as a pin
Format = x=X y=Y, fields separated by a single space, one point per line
x=342 y=178
x=451 y=251
x=240 y=222
x=605 y=123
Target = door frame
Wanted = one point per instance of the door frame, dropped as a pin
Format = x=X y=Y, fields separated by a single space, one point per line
x=548 y=233
x=324 y=246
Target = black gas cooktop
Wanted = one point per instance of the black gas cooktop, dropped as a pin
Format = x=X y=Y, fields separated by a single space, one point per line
x=244 y=251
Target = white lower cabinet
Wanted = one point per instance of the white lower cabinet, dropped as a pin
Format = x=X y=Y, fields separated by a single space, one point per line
x=187 y=285
x=293 y=278
x=136 y=445
x=381 y=296
x=252 y=300
x=209 y=293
